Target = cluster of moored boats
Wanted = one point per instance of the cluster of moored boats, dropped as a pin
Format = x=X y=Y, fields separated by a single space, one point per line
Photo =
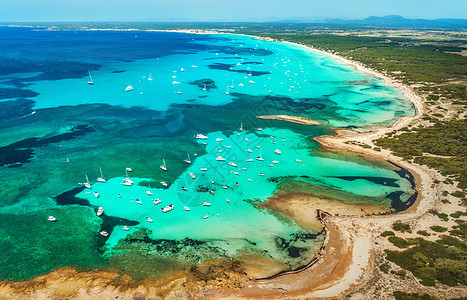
x=128 y=182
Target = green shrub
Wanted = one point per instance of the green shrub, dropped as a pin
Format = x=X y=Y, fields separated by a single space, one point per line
x=412 y=296
x=458 y=194
x=458 y=214
x=398 y=242
x=423 y=232
x=388 y=233
x=385 y=267
x=438 y=228
x=401 y=273
x=402 y=227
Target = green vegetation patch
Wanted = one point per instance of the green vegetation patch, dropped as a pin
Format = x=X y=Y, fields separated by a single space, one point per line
x=402 y=227
x=442 y=216
x=423 y=232
x=458 y=214
x=412 y=296
x=460 y=229
x=438 y=228
x=444 y=261
x=388 y=233
x=447 y=140
x=398 y=242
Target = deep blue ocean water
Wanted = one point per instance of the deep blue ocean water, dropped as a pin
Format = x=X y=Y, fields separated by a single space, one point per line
x=56 y=129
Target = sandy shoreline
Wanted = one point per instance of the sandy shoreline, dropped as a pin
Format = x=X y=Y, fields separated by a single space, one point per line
x=293 y=119
x=349 y=240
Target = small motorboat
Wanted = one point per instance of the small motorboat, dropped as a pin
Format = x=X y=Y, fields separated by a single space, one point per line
x=227 y=200
x=249 y=159
x=229 y=147
x=219 y=140
x=127 y=182
x=261 y=174
x=224 y=186
x=186 y=208
x=277 y=151
x=205 y=217
x=206 y=204
x=192 y=175
x=119 y=196
x=220 y=158
x=236 y=173
x=212 y=192
x=156 y=201
x=126 y=228
x=203 y=169
x=249 y=150
x=232 y=164
x=164 y=183
x=298 y=160
x=184 y=188
x=275 y=162
x=52 y=219
x=149 y=193
x=96 y=194
x=139 y=201
x=104 y=233
x=100 y=179
x=100 y=211
x=149 y=219
x=249 y=179
x=128 y=169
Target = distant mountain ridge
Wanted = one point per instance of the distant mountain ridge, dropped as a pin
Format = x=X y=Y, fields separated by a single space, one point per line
x=392 y=20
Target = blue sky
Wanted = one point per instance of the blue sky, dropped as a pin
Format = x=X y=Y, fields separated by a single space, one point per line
x=221 y=10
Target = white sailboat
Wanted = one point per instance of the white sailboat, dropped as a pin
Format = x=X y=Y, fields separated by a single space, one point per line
x=148 y=192
x=86 y=184
x=150 y=76
x=163 y=166
x=188 y=161
x=227 y=91
x=100 y=211
x=90 y=79
x=128 y=88
x=260 y=158
x=101 y=179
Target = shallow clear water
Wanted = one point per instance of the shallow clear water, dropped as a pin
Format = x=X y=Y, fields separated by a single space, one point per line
x=77 y=128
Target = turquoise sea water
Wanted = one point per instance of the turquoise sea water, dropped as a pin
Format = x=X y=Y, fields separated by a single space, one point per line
x=57 y=129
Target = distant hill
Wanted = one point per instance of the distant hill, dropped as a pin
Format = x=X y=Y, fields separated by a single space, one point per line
x=394 y=20
x=390 y=21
